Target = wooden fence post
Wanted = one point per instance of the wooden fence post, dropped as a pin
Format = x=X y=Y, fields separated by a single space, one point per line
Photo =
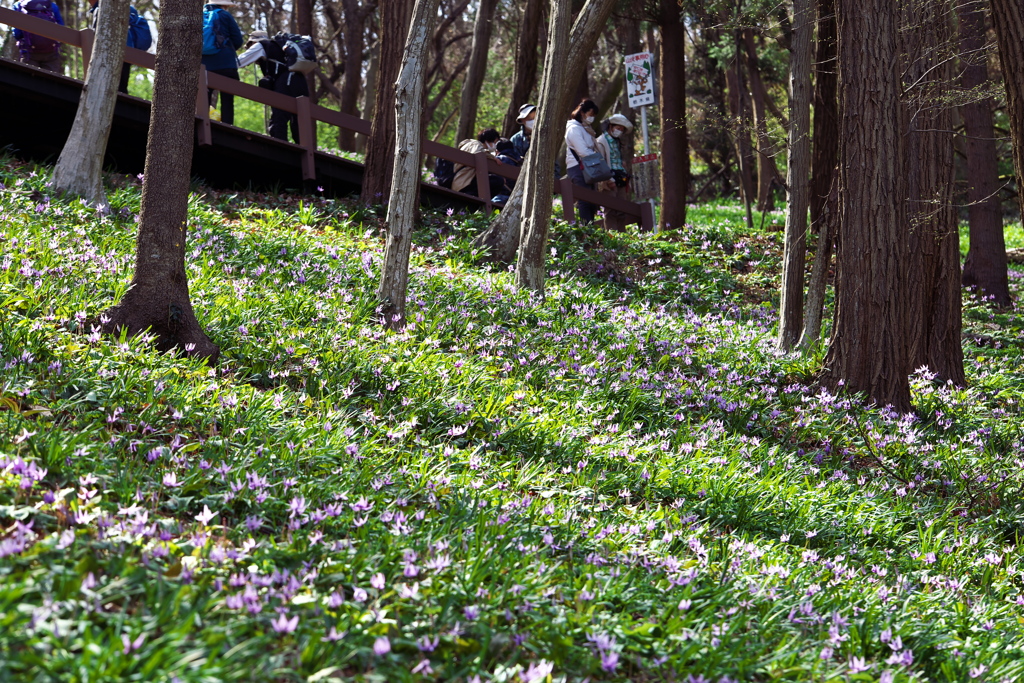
x=647 y=216
x=568 y=203
x=204 y=136
x=483 y=180
x=307 y=137
x=88 y=38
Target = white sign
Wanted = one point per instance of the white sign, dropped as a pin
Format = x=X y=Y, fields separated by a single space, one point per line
x=639 y=80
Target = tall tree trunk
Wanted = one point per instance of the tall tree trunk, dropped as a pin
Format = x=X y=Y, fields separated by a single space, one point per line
x=79 y=169
x=352 y=41
x=380 y=148
x=547 y=135
x=304 y=26
x=158 y=299
x=818 y=282
x=369 y=90
x=986 y=267
x=933 y=277
x=477 y=69
x=1008 y=20
x=502 y=238
x=405 y=184
x=868 y=351
x=797 y=177
x=525 y=71
x=826 y=111
x=766 y=170
x=744 y=152
x=675 y=145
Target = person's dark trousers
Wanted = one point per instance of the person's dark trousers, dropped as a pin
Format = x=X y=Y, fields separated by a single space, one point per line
x=126 y=74
x=585 y=211
x=497 y=186
x=227 y=102
x=294 y=85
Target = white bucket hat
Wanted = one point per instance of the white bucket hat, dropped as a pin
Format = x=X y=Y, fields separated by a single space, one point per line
x=524 y=111
x=620 y=120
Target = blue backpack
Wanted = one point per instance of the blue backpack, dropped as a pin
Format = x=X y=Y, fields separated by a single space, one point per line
x=213 y=35
x=139 y=35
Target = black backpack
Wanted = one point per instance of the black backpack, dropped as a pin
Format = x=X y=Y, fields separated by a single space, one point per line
x=444 y=172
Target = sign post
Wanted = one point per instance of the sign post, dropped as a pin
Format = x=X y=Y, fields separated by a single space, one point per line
x=640 y=91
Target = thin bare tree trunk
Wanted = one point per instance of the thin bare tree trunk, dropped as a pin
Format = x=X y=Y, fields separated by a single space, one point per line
x=502 y=237
x=394 y=281
x=380 y=148
x=933 y=277
x=675 y=144
x=79 y=169
x=797 y=176
x=158 y=299
x=369 y=91
x=525 y=72
x=547 y=134
x=352 y=41
x=868 y=351
x=817 y=285
x=744 y=153
x=826 y=111
x=476 y=71
x=766 y=170
x=1008 y=20
x=985 y=267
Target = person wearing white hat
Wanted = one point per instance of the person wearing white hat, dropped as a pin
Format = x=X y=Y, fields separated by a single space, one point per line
x=521 y=140
x=609 y=144
x=220 y=30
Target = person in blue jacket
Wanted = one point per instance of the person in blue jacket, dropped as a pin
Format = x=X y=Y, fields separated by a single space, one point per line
x=35 y=50
x=223 y=61
x=139 y=36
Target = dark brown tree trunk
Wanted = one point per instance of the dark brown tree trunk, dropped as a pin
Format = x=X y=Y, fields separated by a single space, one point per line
x=304 y=25
x=158 y=299
x=868 y=351
x=369 y=88
x=476 y=71
x=986 y=267
x=744 y=151
x=675 y=145
x=933 y=277
x=1008 y=20
x=525 y=72
x=797 y=177
x=380 y=148
x=766 y=171
x=825 y=142
x=352 y=32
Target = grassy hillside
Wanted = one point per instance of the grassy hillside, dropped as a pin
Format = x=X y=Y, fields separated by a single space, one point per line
x=624 y=481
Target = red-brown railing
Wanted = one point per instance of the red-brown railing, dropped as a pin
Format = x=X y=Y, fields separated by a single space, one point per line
x=308 y=114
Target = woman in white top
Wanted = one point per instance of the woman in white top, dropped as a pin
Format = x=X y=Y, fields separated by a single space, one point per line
x=580 y=141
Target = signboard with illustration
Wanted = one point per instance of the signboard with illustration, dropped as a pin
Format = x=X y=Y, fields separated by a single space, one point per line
x=639 y=80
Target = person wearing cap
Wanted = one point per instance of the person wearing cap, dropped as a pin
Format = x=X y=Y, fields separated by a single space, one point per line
x=521 y=140
x=269 y=55
x=224 y=62
x=609 y=144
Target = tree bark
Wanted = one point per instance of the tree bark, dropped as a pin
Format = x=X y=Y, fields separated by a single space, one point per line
x=158 y=299
x=351 y=40
x=306 y=27
x=401 y=216
x=744 y=153
x=476 y=71
x=501 y=239
x=933 y=277
x=380 y=147
x=826 y=112
x=546 y=137
x=524 y=78
x=986 y=267
x=675 y=145
x=766 y=170
x=817 y=285
x=797 y=177
x=868 y=351
x=79 y=169
x=1008 y=20
x=369 y=91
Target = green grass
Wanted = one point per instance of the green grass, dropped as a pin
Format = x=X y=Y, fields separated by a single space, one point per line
x=624 y=481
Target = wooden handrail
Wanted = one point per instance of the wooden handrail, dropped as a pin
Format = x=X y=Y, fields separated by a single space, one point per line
x=308 y=114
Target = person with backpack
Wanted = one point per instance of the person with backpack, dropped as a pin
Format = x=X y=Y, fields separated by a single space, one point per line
x=609 y=144
x=284 y=60
x=139 y=37
x=465 y=176
x=221 y=40
x=35 y=50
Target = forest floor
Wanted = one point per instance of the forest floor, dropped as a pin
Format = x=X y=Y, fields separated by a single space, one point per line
x=625 y=481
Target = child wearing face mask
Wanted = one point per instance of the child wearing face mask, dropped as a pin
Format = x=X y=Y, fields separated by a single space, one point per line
x=609 y=144
x=581 y=141
x=465 y=176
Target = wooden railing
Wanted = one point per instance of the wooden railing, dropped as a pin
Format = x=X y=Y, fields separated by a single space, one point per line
x=308 y=114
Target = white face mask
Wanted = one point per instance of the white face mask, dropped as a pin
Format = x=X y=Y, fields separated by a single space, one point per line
x=492 y=146
x=589 y=120
x=616 y=133
x=528 y=125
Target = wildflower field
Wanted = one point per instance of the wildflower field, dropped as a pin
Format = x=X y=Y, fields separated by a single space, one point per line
x=622 y=482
